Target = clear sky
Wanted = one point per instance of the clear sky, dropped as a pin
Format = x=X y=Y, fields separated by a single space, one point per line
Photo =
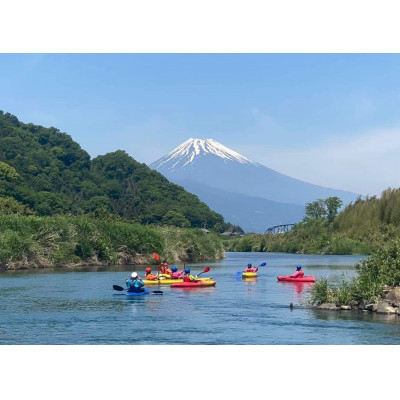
x=329 y=119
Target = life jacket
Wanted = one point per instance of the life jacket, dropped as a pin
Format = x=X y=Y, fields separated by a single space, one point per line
x=251 y=269
x=177 y=274
x=298 y=274
x=134 y=285
x=189 y=278
x=165 y=270
x=151 y=277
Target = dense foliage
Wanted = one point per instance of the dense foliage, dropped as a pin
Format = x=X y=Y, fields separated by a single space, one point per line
x=44 y=169
x=61 y=241
x=360 y=228
x=381 y=269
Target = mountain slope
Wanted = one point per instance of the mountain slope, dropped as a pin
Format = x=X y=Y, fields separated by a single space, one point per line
x=56 y=176
x=208 y=162
x=253 y=214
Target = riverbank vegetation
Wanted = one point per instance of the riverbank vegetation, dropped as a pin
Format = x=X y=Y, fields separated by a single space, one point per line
x=363 y=226
x=374 y=274
x=38 y=242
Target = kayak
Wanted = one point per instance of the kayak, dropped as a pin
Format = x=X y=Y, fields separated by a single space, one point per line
x=168 y=281
x=146 y=291
x=288 y=278
x=249 y=275
x=194 y=284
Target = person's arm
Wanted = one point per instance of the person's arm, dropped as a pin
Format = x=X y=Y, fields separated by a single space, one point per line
x=295 y=275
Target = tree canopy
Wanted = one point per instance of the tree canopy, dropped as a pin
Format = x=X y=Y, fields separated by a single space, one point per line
x=44 y=169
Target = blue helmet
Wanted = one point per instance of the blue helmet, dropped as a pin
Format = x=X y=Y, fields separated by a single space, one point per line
x=174 y=269
x=298 y=267
x=187 y=271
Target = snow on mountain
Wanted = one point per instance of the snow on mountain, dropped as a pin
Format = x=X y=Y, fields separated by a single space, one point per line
x=197 y=163
x=189 y=151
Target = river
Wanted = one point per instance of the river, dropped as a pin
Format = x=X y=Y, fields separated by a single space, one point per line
x=63 y=306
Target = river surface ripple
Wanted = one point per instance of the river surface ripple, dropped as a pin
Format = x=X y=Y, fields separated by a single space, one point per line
x=61 y=306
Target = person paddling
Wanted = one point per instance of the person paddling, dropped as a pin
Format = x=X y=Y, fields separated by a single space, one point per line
x=250 y=268
x=189 y=278
x=299 y=272
x=164 y=268
x=176 y=274
x=149 y=276
x=134 y=284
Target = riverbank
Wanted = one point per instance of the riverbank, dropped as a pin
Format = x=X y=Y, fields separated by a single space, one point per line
x=311 y=240
x=42 y=242
x=390 y=304
x=374 y=288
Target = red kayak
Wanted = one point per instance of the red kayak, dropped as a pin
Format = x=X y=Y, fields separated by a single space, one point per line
x=288 y=278
x=193 y=284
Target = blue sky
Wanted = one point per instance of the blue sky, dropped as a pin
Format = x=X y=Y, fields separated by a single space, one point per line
x=329 y=119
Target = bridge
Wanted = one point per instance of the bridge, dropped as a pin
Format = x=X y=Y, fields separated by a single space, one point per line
x=279 y=229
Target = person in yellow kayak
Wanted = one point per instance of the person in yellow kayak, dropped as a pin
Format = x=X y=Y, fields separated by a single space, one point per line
x=149 y=276
x=134 y=284
x=176 y=274
x=250 y=268
x=189 y=278
x=164 y=268
x=299 y=272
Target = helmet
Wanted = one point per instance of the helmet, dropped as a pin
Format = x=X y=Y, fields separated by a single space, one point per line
x=250 y=265
x=134 y=275
x=187 y=270
x=148 y=270
x=174 y=269
x=298 y=267
x=165 y=264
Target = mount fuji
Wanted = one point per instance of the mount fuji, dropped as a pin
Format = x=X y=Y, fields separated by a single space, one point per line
x=243 y=191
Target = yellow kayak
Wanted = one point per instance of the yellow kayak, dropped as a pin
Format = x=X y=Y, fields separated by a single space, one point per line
x=168 y=281
x=249 y=275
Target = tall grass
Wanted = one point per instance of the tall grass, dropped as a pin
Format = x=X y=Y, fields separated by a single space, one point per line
x=52 y=241
x=381 y=269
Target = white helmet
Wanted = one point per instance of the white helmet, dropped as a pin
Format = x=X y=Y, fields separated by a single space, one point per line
x=134 y=275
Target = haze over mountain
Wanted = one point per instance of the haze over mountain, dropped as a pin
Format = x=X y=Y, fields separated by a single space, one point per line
x=203 y=164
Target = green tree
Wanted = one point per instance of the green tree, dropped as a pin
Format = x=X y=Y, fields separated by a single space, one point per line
x=316 y=209
x=7 y=172
x=176 y=219
x=332 y=207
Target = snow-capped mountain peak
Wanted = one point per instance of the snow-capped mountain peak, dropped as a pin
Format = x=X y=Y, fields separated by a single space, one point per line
x=192 y=149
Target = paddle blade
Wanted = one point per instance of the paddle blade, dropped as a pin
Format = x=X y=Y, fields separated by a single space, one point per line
x=239 y=273
x=263 y=264
x=206 y=269
x=156 y=256
x=119 y=288
x=157 y=292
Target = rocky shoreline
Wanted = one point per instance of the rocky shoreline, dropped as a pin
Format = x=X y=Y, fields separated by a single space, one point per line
x=390 y=304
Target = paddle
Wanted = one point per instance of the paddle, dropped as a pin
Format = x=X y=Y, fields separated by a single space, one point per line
x=206 y=269
x=121 y=289
x=261 y=265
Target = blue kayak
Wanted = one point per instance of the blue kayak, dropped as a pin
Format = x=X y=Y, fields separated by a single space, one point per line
x=146 y=291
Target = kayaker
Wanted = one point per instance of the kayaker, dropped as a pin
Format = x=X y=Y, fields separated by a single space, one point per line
x=299 y=272
x=250 y=268
x=134 y=284
x=189 y=278
x=164 y=268
x=149 y=276
x=175 y=273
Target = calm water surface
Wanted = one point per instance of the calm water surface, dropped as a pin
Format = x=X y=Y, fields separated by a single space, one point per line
x=79 y=307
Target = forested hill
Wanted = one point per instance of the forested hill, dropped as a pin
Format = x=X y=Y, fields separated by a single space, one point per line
x=54 y=175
